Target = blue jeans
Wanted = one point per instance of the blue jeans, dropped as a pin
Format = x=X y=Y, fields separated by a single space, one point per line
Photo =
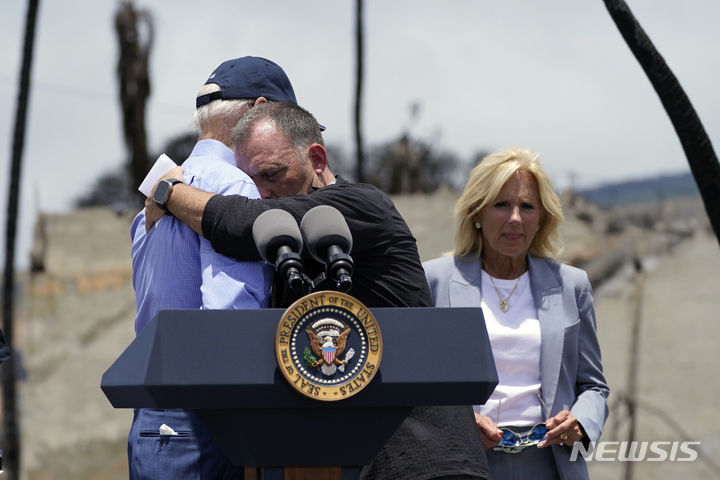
x=192 y=454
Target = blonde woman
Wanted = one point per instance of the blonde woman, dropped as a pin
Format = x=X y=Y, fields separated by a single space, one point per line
x=539 y=316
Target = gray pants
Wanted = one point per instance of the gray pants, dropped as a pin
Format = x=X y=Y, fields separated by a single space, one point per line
x=532 y=464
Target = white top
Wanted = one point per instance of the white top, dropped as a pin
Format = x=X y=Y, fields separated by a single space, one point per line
x=515 y=340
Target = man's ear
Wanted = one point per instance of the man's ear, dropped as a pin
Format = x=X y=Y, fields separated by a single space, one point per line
x=260 y=100
x=318 y=156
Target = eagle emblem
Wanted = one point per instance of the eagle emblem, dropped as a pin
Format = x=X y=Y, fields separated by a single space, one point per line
x=328 y=339
x=328 y=346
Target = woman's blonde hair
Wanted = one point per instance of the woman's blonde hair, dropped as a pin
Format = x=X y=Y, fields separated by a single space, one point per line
x=485 y=182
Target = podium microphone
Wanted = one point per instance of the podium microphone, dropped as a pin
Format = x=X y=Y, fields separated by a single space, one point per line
x=278 y=239
x=328 y=239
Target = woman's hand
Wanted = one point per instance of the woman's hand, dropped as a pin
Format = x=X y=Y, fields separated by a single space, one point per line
x=563 y=428
x=489 y=432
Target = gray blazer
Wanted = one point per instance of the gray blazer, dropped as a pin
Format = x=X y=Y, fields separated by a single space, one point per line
x=570 y=365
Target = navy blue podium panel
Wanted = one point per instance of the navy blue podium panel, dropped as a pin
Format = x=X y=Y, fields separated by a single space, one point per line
x=222 y=365
x=303 y=437
x=222 y=359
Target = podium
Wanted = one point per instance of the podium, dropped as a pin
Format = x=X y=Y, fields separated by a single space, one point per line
x=221 y=364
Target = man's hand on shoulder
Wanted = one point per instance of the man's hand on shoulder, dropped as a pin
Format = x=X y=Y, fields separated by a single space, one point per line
x=153 y=212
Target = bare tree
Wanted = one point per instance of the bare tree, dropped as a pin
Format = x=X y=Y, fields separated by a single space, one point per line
x=135 y=37
x=695 y=141
x=411 y=165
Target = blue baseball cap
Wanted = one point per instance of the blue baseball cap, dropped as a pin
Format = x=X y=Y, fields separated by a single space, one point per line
x=248 y=78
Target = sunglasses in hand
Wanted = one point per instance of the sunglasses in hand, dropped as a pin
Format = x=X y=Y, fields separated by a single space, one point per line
x=515 y=442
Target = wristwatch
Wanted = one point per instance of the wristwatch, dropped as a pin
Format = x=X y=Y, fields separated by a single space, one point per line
x=163 y=191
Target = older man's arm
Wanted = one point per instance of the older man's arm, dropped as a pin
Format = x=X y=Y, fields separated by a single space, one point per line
x=186 y=203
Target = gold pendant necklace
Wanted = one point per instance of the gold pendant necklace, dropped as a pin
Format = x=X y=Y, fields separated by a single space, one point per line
x=504 y=303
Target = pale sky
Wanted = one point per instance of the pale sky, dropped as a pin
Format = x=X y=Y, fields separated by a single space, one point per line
x=554 y=75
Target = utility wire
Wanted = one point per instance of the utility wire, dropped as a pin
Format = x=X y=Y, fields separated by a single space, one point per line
x=87 y=94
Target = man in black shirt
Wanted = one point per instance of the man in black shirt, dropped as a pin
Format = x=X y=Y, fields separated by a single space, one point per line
x=280 y=147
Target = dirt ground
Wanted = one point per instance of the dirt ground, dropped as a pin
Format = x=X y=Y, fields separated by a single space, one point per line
x=677 y=383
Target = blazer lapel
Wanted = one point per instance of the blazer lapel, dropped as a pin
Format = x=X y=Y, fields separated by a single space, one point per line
x=547 y=292
x=465 y=283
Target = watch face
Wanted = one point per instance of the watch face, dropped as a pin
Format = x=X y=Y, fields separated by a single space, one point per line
x=161 y=192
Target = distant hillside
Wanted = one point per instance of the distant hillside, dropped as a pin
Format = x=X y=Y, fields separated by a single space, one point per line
x=642 y=191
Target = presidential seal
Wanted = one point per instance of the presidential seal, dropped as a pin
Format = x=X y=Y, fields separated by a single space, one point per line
x=328 y=345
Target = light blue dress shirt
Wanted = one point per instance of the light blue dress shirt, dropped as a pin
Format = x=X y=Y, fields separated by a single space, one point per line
x=174 y=268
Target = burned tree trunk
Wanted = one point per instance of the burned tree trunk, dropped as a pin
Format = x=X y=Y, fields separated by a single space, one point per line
x=359 y=150
x=135 y=35
x=10 y=431
x=695 y=141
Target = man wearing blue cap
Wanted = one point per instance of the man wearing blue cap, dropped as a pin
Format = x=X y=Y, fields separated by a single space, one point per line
x=174 y=268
